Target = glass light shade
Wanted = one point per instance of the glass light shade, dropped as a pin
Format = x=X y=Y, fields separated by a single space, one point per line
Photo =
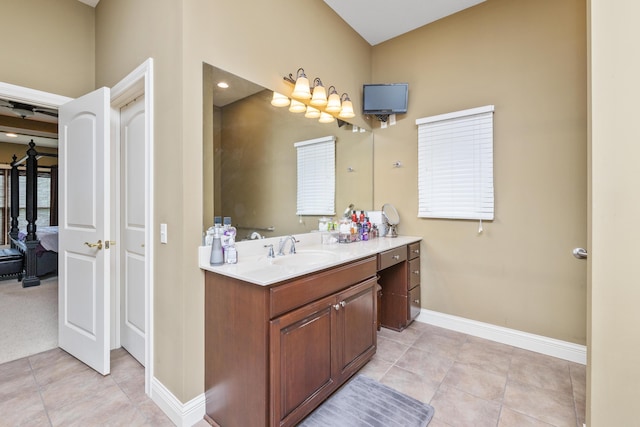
x=297 y=107
x=347 y=110
x=279 y=100
x=319 y=97
x=312 y=113
x=326 y=118
x=301 y=89
x=333 y=103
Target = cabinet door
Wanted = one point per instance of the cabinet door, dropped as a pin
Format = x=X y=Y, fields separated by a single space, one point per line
x=303 y=369
x=356 y=326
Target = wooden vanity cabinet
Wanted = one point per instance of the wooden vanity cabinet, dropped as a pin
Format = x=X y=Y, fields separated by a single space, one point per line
x=273 y=354
x=318 y=347
x=399 y=276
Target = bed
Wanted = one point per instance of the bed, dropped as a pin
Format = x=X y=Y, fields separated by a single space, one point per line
x=38 y=245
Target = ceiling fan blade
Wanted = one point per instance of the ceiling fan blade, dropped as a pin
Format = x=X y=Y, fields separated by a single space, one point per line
x=47 y=112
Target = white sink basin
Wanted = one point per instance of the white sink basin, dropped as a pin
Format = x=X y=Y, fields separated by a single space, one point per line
x=306 y=257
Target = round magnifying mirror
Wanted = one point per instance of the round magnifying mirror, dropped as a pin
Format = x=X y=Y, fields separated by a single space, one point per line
x=392 y=218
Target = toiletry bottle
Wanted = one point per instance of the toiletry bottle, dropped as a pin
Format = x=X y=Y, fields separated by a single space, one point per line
x=217 y=258
x=354 y=217
x=229 y=242
x=362 y=216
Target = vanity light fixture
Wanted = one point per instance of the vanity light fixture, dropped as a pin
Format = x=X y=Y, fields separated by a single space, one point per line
x=333 y=102
x=301 y=89
x=297 y=107
x=328 y=108
x=279 y=100
x=326 y=118
x=347 y=107
x=312 y=113
x=319 y=98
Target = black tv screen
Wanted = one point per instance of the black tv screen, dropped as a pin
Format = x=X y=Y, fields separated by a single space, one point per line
x=388 y=98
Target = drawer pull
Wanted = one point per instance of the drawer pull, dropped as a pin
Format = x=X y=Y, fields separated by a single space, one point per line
x=417 y=301
x=336 y=306
x=416 y=251
x=343 y=303
x=396 y=257
x=416 y=272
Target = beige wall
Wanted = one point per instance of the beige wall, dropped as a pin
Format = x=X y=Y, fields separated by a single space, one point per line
x=48 y=45
x=127 y=33
x=614 y=348
x=528 y=59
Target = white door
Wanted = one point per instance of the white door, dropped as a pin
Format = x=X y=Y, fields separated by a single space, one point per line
x=83 y=260
x=132 y=228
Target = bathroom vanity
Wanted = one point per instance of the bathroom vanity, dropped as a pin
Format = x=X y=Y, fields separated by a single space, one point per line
x=283 y=333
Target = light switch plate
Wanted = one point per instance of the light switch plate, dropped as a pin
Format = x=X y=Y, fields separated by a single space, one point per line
x=163 y=233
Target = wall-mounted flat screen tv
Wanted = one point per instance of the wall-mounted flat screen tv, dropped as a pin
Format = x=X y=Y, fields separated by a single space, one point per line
x=390 y=98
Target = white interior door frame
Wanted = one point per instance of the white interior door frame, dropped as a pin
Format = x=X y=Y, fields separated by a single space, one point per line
x=32 y=96
x=139 y=81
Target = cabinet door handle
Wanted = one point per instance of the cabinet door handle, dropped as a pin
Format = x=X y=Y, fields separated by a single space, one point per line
x=416 y=272
x=343 y=303
x=416 y=251
x=336 y=306
x=417 y=301
x=396 y=257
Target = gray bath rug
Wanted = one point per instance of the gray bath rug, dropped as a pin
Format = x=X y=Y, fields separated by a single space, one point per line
x=364 y=402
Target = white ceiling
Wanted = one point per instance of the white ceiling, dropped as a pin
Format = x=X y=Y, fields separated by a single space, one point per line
x=380 y=20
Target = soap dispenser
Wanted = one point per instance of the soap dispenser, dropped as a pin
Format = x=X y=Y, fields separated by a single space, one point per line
x=217 y=257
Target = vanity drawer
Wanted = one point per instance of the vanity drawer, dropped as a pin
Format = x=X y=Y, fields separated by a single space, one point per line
x=391 y=257
x=314 y=286
x=413 y=250
x=414 y=273
x=414 y=303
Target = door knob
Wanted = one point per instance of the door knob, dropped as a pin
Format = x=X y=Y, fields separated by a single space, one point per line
x=580 y=253
x=98 y=244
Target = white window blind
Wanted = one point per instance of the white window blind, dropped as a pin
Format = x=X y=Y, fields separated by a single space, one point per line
x=316 y=176
x=455 y=165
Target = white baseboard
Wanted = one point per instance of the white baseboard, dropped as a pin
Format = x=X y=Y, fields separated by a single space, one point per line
x=181 y=414
x=538 y=343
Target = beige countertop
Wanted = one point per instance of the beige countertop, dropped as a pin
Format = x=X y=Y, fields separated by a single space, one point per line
x=255 y=267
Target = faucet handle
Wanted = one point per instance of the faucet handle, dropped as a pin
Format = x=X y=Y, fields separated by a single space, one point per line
x=270 y=254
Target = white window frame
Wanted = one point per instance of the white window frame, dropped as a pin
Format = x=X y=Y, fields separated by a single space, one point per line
x=455 y=165
x=316 y=165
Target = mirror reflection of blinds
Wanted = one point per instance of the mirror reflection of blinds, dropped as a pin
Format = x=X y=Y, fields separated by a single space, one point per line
x=455 y=165
x=316 y=176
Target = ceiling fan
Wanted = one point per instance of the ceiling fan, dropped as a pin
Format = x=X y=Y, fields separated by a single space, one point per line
x=26 y=110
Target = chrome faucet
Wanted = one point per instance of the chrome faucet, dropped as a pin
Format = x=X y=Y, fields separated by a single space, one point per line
x=270 y=255
x=283 y=242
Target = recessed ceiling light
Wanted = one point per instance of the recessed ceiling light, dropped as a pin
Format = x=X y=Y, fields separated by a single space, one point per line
x=223 y=85
x=11 y=135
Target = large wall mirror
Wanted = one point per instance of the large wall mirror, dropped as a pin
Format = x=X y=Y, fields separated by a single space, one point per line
x=250 y=159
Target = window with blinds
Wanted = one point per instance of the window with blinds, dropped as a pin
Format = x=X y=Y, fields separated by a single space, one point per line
x=316 y=176
x=455 y=165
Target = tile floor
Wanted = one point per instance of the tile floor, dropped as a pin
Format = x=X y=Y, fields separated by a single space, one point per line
x=469 y=382
x=54 y=389
x=474 y=382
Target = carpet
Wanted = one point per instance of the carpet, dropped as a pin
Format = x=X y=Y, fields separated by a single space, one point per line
x=28 y=318
x=365 y=402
